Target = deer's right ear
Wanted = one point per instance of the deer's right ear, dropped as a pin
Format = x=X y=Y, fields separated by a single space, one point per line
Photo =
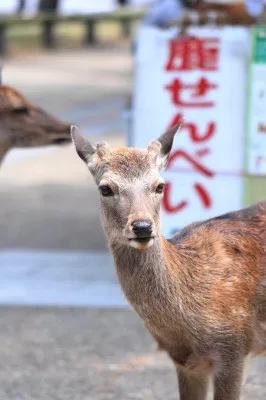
x=84 y=148
x=163 y=145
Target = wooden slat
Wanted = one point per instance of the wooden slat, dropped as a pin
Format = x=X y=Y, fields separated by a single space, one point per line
x=120 y=14
x=123 y=15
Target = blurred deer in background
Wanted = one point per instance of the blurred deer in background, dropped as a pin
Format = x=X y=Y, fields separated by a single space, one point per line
x=201 y=294
x=22 y=124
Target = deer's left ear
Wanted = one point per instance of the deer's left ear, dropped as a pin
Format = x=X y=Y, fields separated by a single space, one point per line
x=82 y=144
x=163 y=145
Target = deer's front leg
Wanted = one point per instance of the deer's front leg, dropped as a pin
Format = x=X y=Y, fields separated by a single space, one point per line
x=192 y=386
x=228 y=381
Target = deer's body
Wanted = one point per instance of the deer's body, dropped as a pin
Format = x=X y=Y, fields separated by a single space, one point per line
x=203 y=288
x=22 y=124
x=201 y=294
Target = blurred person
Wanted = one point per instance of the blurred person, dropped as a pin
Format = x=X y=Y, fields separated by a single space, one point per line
x=164 y=11
x=21 y=6
x=48 y=5
x=243 y=12
x=240 y=12
x=257 y=10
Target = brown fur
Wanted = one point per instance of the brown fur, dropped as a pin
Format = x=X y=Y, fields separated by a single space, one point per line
x=25 y=125
x=201 y=294
x=123 y=159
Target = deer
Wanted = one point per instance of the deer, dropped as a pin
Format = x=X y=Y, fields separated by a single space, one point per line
x=23 y=124
x=201 y=293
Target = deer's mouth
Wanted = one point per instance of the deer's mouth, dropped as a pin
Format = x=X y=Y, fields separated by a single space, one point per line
x=141 y=243
x=143 y=240
x=61 y=141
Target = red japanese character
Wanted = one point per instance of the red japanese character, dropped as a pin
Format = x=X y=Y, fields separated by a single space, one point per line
x=202 y=152
x=201 y=191
x=167 y=204
x=199 y=167
x=171 y=208
x=193 y=130
x=199 y=89
x=193 y=53
x=204 y=196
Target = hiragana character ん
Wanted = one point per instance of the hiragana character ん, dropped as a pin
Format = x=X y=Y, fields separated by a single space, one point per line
x=193 y=130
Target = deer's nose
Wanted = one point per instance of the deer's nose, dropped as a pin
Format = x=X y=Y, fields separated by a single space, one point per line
x=142 y=228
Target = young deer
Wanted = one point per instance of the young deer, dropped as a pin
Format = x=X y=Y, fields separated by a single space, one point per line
x=201 y=294
x=24 y=125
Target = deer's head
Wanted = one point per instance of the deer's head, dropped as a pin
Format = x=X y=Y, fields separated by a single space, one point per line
x=130 y=186
x=25 y=125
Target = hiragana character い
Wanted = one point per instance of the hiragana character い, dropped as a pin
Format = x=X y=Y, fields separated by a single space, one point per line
x=171 y=208
x=199 y=89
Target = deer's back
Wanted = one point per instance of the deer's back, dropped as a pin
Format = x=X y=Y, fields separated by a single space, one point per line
x=252 y=219
x=226 y=256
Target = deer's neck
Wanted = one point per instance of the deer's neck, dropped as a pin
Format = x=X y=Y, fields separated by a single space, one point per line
x=4 y=144
x=131 y=262
x=3 y=151
x=145 y=275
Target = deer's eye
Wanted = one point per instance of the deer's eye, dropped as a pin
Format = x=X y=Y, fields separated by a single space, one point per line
x=160 y=188
x=106 y=191
x=20 y=110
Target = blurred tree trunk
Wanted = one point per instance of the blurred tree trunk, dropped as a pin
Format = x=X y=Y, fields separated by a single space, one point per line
x=21 y=5
x=48 y=5
x=122 y=2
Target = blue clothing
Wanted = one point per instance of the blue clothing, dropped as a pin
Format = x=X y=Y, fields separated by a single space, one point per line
x=164 y=11
x=255 y=7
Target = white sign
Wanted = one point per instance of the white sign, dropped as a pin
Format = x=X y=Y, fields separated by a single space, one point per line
x=256 y=143
x=140 y=3
x=201 y=79
x=86 y=7
x=31 y=7
x=8 y=6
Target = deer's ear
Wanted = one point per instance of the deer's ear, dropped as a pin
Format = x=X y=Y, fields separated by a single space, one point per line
x=16 y=100
x=84 y=148
x=163 y=145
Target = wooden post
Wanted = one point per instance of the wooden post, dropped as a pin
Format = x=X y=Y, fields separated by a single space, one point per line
x=90 y=36
x=3 y=44
x=48 y=38
x=126 y=28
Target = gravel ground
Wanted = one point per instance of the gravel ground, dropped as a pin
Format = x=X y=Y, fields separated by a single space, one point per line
x=87 y=354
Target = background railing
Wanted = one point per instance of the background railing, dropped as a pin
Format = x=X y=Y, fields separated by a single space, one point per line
x=125 y=16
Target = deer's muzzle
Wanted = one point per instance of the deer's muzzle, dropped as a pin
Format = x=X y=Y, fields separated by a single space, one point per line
x=140 y=233
x=142 y=229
